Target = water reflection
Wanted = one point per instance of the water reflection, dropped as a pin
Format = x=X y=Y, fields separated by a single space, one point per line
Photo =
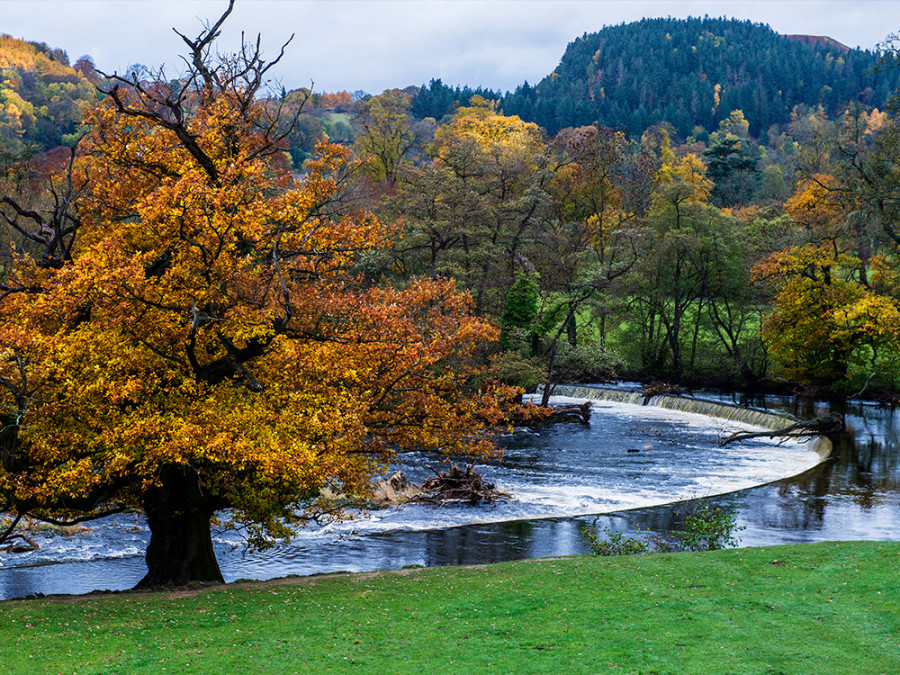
x=855 y=494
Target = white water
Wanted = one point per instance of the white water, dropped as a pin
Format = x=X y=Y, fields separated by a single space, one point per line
x=585 y=471
x=559 y=471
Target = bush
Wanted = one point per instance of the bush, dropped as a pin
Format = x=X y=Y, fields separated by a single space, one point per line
x=706 y=528
x=512 y=368
x=615 y=543
x=703 y=528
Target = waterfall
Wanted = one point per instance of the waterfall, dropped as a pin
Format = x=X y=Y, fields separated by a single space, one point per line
x=733 y=413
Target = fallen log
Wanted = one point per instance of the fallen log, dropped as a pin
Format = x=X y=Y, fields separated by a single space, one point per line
x=821 y=426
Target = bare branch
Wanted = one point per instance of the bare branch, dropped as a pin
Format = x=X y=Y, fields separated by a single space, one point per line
x=200 y=46
x=820 y=426
x=8 y=532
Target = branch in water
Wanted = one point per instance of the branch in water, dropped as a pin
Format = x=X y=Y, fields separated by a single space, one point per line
x=821 y=426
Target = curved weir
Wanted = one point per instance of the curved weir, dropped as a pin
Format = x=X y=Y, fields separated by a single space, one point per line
x=757 y=418
x=631 y=456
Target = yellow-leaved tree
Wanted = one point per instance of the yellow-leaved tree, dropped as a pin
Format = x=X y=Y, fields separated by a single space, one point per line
x=826 y=327
x=193 y=335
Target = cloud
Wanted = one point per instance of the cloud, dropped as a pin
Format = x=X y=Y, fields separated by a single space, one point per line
x=374 y=45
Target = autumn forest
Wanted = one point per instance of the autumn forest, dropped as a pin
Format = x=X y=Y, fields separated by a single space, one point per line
x=220 y=295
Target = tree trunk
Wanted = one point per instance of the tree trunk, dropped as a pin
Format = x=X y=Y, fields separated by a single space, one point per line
x=178 y=513
x=572 y=330
x=550 y=386
x=9 y=442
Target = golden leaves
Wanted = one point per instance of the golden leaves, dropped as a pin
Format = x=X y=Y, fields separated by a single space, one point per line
x=215 y=319
x=822 y=316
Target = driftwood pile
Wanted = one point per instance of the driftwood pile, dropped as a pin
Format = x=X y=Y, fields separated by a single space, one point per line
x=395 y=490
x=821 y=426
x=456 y=486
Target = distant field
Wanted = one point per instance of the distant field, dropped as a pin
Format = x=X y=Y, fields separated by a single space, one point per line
x=340 y=117
x=816 y=608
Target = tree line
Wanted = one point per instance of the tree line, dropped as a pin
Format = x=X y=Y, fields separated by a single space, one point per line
x=601 y=255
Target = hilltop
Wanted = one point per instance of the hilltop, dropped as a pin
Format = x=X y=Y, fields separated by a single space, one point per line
x=694 y=72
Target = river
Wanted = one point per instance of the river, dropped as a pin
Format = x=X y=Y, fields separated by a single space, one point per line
x=625 y=465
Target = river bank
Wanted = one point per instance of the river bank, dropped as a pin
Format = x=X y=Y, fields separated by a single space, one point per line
x=829 y=607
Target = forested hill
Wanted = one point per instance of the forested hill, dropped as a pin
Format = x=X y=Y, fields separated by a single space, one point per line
x=694 y=72
x=40 y=95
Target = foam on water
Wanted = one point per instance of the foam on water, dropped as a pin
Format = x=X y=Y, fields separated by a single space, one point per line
x=630 y=456
x=591 y=471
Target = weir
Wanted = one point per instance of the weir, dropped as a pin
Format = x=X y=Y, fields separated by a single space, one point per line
x=759 y=418
x=629 y=457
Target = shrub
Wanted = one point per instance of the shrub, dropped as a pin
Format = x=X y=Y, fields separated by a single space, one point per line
x=589 y=361
x=703 y=528
x=615 y=543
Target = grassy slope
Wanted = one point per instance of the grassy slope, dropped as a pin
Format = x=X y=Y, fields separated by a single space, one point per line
x=822 y=608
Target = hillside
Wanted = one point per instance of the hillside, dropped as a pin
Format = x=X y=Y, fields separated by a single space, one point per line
x=40 y=96
x=694 y=72
x=822 y=40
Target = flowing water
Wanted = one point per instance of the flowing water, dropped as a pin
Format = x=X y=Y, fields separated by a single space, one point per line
x=626 y=466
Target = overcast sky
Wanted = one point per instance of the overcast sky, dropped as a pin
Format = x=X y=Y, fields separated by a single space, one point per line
x=372 y=45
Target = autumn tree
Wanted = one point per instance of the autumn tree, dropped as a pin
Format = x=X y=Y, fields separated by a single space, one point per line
x=665 y=283
x=501 y=168
x=847 y=189
x=602 y=190
x=388 y=134
x=586 y=241
x=197 y=338
x=472 y=212
x=826 y=327
x=834 y=300
x=40 y=99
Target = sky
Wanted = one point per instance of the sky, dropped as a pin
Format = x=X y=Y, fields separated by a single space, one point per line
x=373 y=45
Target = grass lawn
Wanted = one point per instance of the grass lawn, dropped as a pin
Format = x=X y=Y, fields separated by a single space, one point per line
x=817 y=608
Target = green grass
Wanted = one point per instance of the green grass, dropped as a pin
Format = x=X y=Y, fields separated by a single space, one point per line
x=822 y=608
x=339 y=117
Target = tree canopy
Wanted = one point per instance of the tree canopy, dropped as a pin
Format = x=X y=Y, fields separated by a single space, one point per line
x=694 y=72
x=198 y=337
x=40 y=98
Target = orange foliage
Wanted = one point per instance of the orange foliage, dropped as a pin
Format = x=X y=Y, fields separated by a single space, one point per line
x=332 y=100
x=816 y=204
x=211 y=318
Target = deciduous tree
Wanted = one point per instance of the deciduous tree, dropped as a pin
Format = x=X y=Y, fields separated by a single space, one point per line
x=205 y=341
x=825 y=323
x=388 y=134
